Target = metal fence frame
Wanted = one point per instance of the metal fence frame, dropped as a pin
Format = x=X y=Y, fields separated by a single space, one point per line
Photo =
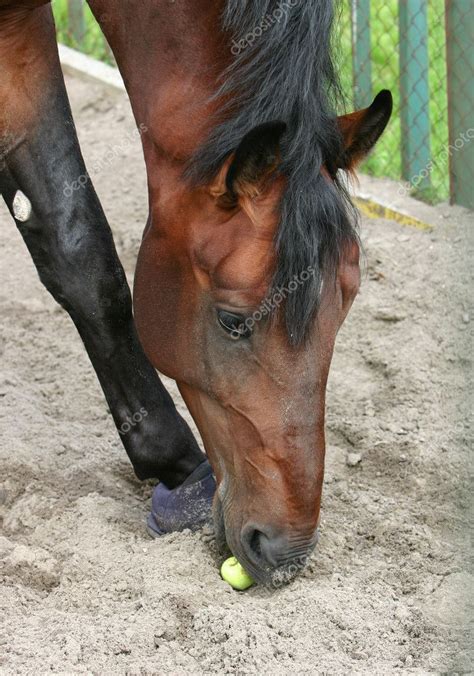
x=460 y=59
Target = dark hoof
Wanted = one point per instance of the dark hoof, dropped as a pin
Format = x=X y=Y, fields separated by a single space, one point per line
x=188 y=506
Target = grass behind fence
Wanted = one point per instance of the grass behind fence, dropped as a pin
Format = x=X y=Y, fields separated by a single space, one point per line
x=386 y=160
x=93 y=43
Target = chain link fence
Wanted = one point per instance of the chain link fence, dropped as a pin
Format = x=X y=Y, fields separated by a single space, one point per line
x=422 y=50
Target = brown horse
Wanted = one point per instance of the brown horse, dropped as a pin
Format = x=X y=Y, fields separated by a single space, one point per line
x=250 y=257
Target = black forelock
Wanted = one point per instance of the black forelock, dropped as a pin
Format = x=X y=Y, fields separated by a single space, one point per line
x=287 y=74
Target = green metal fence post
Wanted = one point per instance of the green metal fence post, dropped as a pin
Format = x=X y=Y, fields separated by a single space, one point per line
x=414 y=92
x=77 y=26
x=460 y=61
x=361 y=53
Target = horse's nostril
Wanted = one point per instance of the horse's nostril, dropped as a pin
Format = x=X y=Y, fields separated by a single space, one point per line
x=268 y=550
x=254 y=543
x=262 y=548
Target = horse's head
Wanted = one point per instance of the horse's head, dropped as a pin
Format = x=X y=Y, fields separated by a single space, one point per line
x=210 y=317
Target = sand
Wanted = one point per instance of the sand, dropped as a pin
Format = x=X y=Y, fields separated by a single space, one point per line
x=389 y=589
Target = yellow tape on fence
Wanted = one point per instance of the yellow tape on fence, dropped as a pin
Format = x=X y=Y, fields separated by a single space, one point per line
x=375 y=210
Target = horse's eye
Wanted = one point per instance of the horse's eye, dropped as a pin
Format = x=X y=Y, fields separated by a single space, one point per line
x=233 y=324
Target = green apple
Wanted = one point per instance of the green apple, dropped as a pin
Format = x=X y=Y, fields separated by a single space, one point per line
x=233 y=573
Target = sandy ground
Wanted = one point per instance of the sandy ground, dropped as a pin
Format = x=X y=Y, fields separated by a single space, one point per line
x=390 y=586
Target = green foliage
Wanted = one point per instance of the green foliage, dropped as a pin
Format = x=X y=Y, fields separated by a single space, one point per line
x=93 y=42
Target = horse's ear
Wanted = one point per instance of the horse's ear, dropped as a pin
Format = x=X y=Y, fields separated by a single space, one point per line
x=362 y=129
x=248 y=170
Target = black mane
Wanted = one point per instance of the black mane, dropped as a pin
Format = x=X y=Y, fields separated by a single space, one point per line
x=288 y=74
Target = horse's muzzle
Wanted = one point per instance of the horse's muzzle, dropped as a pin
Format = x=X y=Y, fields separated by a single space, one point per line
x=267 y=554
x=277 y=558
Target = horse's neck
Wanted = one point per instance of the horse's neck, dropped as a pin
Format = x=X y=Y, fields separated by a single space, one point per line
x=170 y=54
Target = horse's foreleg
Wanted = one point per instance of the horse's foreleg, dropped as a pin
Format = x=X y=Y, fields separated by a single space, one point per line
x=71 y=243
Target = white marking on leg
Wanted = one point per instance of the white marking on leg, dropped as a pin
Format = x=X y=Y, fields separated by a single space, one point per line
x=21 y=207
